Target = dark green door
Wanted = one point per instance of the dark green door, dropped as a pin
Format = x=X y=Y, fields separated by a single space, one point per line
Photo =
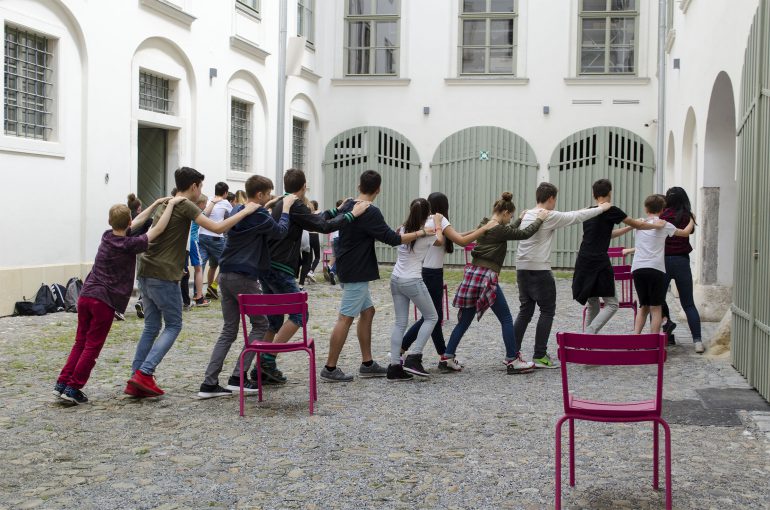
x=152 y=164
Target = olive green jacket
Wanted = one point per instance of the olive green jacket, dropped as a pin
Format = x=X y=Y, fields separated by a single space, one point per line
x=492 y=246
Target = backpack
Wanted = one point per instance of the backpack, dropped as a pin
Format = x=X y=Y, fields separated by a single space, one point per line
x=44 y=298
x=58 y=292
x=28 y=308
x=74 y=286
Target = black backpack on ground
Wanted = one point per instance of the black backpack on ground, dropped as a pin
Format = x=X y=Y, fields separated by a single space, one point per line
x=58 y=291
x=28 y=308
x=74 y=286
x=45 y=298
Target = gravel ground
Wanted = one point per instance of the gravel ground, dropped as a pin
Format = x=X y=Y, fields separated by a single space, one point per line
x=479 y=439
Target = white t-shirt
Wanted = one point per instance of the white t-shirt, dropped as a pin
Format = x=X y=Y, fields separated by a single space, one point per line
x=217 y=216
x=409 y=261
x=651 y=246
x=334 y=235
x=435 y=257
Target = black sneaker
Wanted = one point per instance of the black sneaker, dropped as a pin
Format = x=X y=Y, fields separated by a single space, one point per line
x=396 y=373
x=413 y=364
x=332 y=278
x=212 y=391
x=270 y=374
x=59 y=388
x=119 y=316
x=74 y=396
x=212 y=293
x=234 y=384
x=139 y=309
x=668 y=328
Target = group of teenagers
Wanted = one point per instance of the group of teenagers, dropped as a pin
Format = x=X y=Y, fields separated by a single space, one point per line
x=262 y=254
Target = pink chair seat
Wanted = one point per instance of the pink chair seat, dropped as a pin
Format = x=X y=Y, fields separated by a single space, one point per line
x=611 y=409
x=286 y=347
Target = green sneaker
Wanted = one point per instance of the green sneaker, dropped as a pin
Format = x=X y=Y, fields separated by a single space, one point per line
x=546 y=362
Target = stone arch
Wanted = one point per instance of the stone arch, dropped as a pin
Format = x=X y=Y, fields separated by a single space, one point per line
x=245 y=86
x=689 y=167
x=670 y=159
x=307 y=133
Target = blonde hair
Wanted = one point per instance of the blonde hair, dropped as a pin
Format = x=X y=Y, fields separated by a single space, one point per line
x=203 y=199
x=120 y=217
x=240 y=197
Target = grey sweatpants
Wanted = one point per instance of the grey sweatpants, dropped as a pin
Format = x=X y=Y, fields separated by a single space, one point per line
x=403 y=291
x=597 y=316
x=230 y=285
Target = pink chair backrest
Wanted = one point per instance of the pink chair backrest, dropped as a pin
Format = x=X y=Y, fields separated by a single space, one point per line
x=468 y=249
x=274 y=304
x=626 y=279
x=616 y=252
x=611 y=350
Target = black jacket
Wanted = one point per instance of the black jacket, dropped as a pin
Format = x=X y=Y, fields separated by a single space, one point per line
x=246 y=246
x=285 y=253
x=356 y=259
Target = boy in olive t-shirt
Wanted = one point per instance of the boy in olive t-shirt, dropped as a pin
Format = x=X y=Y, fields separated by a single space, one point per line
x=158 y=274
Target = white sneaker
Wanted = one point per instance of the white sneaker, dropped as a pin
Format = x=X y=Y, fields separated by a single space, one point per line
x=450 y=365
x=699 y=348
x=519 y=366
x=311 y=276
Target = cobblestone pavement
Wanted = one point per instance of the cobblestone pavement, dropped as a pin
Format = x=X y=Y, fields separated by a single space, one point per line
x=479 y=439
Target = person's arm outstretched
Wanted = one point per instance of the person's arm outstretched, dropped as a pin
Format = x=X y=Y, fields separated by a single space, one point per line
x=147 y=213
x=162 y=223
x=225 y=225
x=514 y=233
x=621 y=231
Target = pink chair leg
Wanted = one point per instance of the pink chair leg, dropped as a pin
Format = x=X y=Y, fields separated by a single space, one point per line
x=311 y=390
x=667 y=432
x=259 y=376
x=240 y=394
x=315 y=375
x=557 y=484
x=655 y=455
x=572 y=453
x=584 y=318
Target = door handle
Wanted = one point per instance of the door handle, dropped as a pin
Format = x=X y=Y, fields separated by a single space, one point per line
x=756 y=254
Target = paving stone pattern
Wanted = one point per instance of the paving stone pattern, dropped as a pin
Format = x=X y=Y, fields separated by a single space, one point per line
x=479 y=439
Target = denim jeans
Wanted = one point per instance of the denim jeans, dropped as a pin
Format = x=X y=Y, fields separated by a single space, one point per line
x=503 y=314
x=210 y=249
x=434 y=281
x=162 y=300
x=275 y=281
x=403 y=291
x=678 y=269
x=536 y=288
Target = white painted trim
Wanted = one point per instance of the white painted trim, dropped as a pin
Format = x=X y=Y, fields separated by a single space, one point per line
x=486 y=80
x=684 y=5
x=609 y=80
x=670 y=38
x=309 y=75
x=172 y=11
x=248 y=11
x=371 y=82
x=251 y=48
x=31 y=146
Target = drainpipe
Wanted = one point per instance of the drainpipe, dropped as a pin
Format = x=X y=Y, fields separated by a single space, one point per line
x=281 y=109
x=660 y=159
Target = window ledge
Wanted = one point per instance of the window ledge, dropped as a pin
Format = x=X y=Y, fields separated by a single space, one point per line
x=486 y=80
x=371 y=82
x=170 y=10
x=246 y=46
x=237 y=175
x=670 y=38
x=310 y=46
x=309 y=75
x=247 y=11
x=31 y=146
x=157 y=119
x=684 y=5
x=607 y=80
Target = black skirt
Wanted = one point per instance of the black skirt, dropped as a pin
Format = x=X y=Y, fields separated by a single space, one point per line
x=593 y=278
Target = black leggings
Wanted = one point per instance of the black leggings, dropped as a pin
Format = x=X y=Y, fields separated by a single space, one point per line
x=315 y=247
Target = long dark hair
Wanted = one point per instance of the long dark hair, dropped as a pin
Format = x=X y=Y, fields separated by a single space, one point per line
x=678 y=201
x=419 y=210
x=439 y=204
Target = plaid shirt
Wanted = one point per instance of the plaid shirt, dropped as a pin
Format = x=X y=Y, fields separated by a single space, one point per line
x=478 y=290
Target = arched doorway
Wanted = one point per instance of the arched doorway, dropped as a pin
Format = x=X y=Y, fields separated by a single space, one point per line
x=718 y=215
x=670 y=160
x=472 y=167
x=689 y=168
x=619 y=155
x=751 y=300
x=390 y=153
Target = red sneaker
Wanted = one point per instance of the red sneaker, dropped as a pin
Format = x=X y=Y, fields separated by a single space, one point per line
x=133 y=391
x=145 y=384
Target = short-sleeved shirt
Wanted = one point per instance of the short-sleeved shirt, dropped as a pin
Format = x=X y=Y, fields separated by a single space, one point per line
x=435 y=257
x=651 y=247
x=166 y=255
x=597 y=233
x=409 y=259
x=218 y=214
x=677 y=245
x=111 y=279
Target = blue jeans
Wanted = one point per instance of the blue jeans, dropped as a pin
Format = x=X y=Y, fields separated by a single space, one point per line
x=404 y=291
x=503 y=314
x=434 y=281
x=275 y=281
x=210 y=249
x=161 y=299
x=335 y=250
x=678 y=269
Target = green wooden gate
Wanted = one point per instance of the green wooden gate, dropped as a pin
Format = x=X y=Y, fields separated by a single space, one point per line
x=151 y=171
x=751 y=300
x=356 y=150
x=617 y=154
x=473 y=167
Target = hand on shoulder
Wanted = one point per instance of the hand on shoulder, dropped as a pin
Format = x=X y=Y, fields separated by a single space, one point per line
x=605 y=206
x=543 y=214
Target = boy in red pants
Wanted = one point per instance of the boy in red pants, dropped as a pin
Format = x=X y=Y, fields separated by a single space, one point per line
x=107 y=290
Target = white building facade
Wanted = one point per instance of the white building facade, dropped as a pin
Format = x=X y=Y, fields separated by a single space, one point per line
x=531 y=89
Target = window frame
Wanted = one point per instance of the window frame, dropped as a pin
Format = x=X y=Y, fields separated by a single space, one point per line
x=306 y=21
x=488 y=16
x=247 y=151
x=50 y=102
x=172 y=91
x=245 y=5
x=607 y=15
x=305 y=127
x=372 y=49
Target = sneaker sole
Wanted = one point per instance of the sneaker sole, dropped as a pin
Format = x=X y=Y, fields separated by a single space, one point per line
x=521 y=371
x=57 y=393
x=371 y=376
x=72 y=400
x=416 y=372
x=324 y=379
x=144 y=389
x=246 y=391
x=206 y=396
x=547 y=367
x=401 y=379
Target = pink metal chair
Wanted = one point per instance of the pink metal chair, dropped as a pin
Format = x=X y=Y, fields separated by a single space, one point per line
x=626 y=299
x=276 y=304
x=327 y=253
x=445 y=302
x=468 y=249
x=616 y=252
x=612 y=350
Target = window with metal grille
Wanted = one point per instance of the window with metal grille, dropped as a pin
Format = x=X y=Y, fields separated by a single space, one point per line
x=299 y=144
x=488 y=37
x=155 y=93
x=608 y=38
x=240 y=135
x=306 y=20
x=372 y=37
x=578 y=154
x=251 y=4
x=350 y=151
x=28 y=87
